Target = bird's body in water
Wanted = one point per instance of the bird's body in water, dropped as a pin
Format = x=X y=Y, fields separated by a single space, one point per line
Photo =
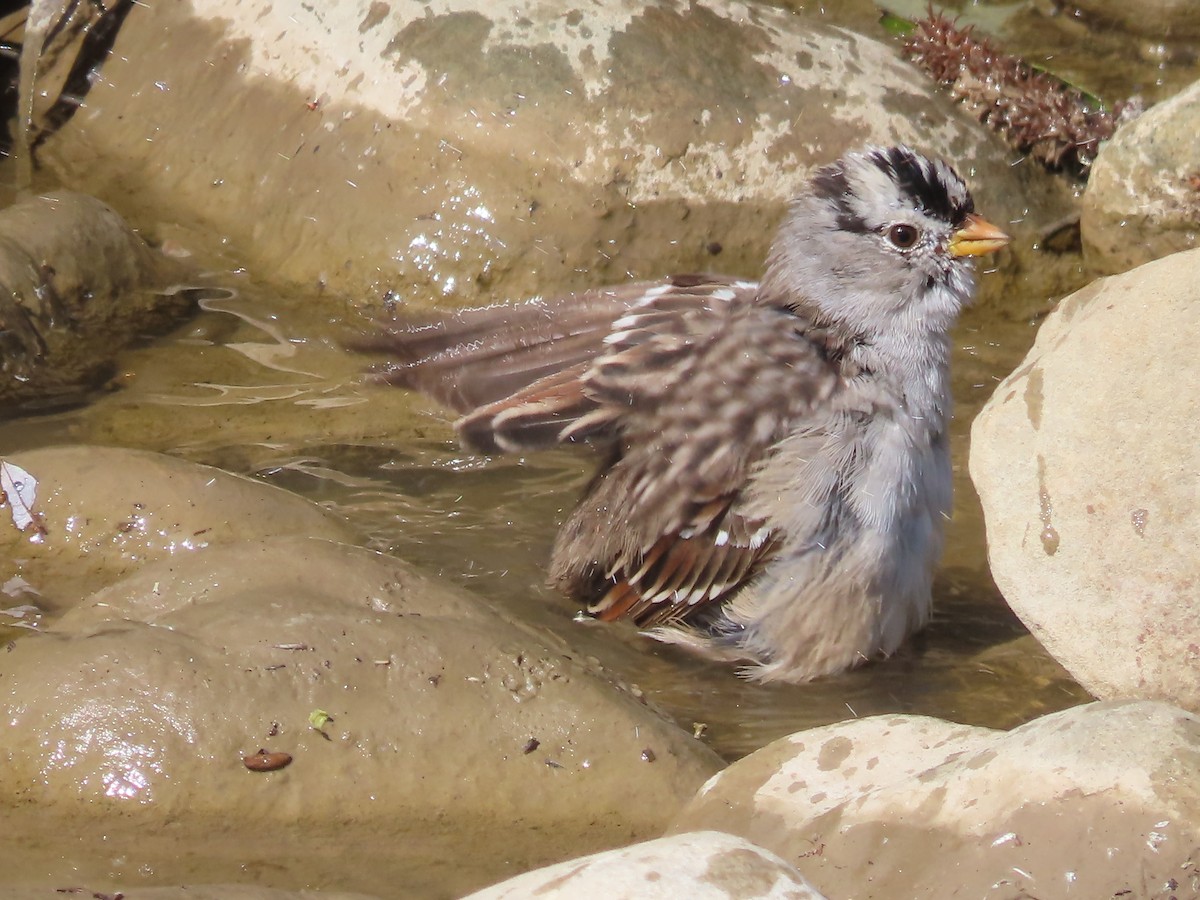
x=776 y=466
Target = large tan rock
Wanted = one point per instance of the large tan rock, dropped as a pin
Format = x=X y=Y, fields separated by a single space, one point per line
x=460 y=149
x=1101 y=800
x=130 y=716
x=1086 y=461
x=820 y=769
x=1143 y=198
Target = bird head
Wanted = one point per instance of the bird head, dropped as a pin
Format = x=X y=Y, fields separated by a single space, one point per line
x=882 y=239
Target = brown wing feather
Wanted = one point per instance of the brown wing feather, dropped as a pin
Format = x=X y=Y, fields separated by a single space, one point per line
x=474 y=357
x=532 y=418
x=699 y=393
x=690 y=380
x=680 y=575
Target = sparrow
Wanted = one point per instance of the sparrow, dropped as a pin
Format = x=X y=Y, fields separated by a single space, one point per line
x=775 y=468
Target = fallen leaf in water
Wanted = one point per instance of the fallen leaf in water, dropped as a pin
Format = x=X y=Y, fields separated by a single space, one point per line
x=318 y=719
x=19 y=490
x=17 y=586
x=266 y=761
x=24 y=616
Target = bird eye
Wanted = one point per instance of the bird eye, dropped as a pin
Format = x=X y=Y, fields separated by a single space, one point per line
x=903 y=236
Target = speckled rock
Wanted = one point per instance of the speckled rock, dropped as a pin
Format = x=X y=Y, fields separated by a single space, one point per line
x=820 y=769
x=1097 y=801
x=442 y=719
x=706 y=866
x=459 y=149
x=1143 y=198
x=1085 y=460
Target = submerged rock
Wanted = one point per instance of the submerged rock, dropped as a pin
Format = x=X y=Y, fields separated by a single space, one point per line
x=77 y=285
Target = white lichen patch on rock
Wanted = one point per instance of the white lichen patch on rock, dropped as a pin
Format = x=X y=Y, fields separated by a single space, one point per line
x=303 y=43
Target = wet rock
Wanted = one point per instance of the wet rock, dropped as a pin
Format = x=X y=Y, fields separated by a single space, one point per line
x=76 y=286
x=707 y=865
x=457 y=152
x=1085 y=462
x=106 y=512
x=1143 y=199
x=418 y=719
x=1099 y=800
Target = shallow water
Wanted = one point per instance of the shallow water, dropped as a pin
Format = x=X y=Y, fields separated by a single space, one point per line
x=258 y=385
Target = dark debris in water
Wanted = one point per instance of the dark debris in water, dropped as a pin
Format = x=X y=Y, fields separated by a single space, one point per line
x=1056 y=123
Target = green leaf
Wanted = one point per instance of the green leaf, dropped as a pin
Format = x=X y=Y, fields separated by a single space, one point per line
x=318 y=719
x=896 y=25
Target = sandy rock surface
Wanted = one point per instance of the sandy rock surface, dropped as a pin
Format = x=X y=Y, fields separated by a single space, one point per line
x=707 y=865
x=1094 y=801
x=1143 y=198
x=1085 y=460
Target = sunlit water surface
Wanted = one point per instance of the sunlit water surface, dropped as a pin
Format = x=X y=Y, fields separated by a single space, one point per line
x=258 y=385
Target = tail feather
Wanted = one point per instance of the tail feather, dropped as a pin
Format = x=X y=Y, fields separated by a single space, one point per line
x=516 y=371
x=476 y=357
x=530 y=419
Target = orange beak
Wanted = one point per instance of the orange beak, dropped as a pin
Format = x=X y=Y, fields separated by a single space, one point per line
x=977 y=237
